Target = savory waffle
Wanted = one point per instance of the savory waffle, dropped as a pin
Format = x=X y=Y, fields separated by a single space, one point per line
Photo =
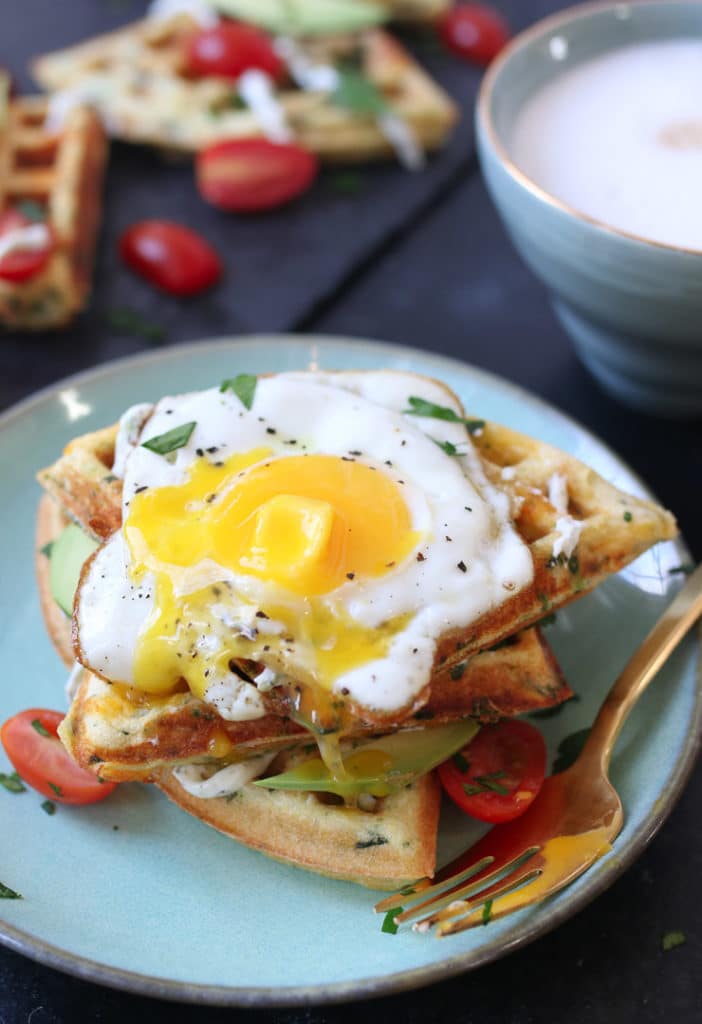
x=612 y=528
x=135 y=78
x=62 y=172
x=415 y=10
x=105 y=735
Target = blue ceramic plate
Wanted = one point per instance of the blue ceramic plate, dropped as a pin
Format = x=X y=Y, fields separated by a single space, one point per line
x=134 y=893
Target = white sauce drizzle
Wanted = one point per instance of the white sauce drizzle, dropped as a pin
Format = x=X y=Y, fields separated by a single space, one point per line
x=258 y=93
x=567 y=528
x=201 y=12
x=32 y=238
x=194 y=779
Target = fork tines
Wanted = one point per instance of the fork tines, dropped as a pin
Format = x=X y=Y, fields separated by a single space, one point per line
x=454 y=900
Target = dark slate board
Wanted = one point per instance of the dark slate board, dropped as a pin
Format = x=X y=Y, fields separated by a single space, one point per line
x=279 y=266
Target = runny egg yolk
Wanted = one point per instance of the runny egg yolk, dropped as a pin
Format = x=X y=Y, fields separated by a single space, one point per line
x=308 y=524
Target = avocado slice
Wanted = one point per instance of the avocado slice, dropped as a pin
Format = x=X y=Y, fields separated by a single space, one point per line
x=305 y=17
x=380 y=766
x=68 y=554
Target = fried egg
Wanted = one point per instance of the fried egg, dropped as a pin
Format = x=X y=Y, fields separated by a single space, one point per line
x=323 y=533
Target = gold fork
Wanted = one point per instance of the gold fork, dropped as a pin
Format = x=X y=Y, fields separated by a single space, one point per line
x=572 y=822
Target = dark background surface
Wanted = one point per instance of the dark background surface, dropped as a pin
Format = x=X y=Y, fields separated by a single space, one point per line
x=421 y=261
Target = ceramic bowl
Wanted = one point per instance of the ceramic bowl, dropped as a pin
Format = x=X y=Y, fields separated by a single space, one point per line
x=632 y=307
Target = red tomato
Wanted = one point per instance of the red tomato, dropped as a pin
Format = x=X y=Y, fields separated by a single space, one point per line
x=170 y=256
x=474 y=31
x=31 y=743
x=22 y=264
x=229 y=49
x=499 y=773
x=246 y=175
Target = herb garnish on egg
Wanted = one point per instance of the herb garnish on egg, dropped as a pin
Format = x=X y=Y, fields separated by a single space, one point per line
x=420 y=407
x=243 y=386
x=163 y=444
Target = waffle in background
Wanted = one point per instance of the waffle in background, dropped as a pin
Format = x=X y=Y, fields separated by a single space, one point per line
x=62 y=171
x=135 y=78
x=415 y=10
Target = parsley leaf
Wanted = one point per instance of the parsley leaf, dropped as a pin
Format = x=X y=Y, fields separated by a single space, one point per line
x=162 y=444
x=38 y=727
x=356 y=92
x=449 y=448
x=569 y=750
x=12 y=783
x=389 y=925
x=420 y=407
x=490 y=783
x=57 y=789
x=8 y=894
x=243 y=386
x=672 y=939
x=49 y=806
x=347 y=183
x=131 y=322
x=32 y=210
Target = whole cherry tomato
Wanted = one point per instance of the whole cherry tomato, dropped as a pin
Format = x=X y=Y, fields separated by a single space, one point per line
x=246 y=175
x=170 y=256
x=33 y=747
x=22 y=264
x=499 y=773
x=474 y=32
x=229 y=49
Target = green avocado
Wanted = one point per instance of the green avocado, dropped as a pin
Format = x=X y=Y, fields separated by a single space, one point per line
x=380 y=766
x=68 y=553
x=305 y=17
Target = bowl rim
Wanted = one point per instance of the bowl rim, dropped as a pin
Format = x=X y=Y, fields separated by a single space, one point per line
x=484 y=119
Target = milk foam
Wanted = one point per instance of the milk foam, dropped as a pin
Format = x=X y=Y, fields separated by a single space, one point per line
x=619 y=138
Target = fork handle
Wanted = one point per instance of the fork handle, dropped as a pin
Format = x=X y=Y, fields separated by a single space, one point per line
x=665 y=636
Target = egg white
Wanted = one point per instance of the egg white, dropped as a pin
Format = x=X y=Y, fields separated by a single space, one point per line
x=470 y=557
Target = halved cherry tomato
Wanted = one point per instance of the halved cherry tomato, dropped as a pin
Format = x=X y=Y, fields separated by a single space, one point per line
x=246 y=175
x=31 y=743
x=499 y=773
x=474 y=32
x=170 y=256
x=22 y=264
x=229 y=49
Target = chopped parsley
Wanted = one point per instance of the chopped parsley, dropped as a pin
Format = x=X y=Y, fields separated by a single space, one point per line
x=47 y=549
x=487 y=912
x=569 y=750
x=628 y=516
x=376 y=840
x=420 y=407
x=683 y=570
x=449 y=448
x=6 y=893
x=57 y=789
x=486 y=784
x=32 y=210
x=461 y=763
x=347 y=183
x=672 y=939
x=163 y=444
x=389 y=925
x=243 y=386
x=12 y=783
x=38 y=727
x=356 y=92
x=49 y=807
x=132 y=323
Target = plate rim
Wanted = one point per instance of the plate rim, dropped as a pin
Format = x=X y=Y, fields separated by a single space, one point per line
x=172 y=990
